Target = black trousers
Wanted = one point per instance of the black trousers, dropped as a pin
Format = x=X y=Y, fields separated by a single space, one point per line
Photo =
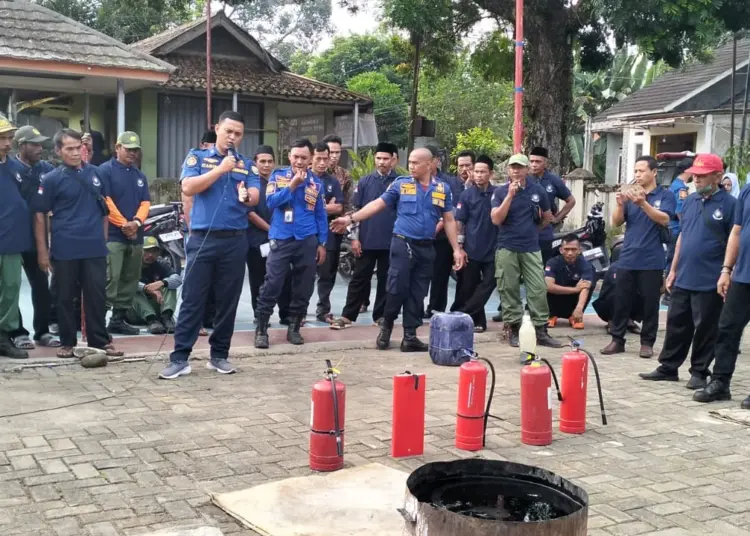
x=256 y=270
x=327 y=279
x=91 y=275
x=408 y=279
x=477 y=283
x=358 y=292
x=693 y=317
x=441 y=274
x=734 y=317
x=563 y=305
x=41 y=298
x=628 y=284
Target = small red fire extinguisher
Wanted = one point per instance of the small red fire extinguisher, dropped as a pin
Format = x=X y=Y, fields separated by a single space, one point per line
x=574 y=375
x=536 y=401
x=471 y=414
x=327 y=422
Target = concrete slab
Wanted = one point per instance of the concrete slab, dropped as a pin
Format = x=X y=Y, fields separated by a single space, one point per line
x=200 y=531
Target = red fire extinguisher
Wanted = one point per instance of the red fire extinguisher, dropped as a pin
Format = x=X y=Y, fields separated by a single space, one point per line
x=327 y=422
x=574 y=379
x=536 y=401
x=472 y=415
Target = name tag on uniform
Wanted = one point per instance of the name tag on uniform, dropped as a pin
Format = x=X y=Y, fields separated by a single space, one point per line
x=438 y=195
x=208 y=165
x=265 y=249
x=288 y=215
x=239 y=170
x=408 y=188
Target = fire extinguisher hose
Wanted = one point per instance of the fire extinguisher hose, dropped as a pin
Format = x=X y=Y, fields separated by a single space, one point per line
x=489 y=400
x=598 y=384
x=332 y=377
x=554 y=377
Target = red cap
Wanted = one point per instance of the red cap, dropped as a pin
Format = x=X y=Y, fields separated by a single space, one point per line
x=705 y=164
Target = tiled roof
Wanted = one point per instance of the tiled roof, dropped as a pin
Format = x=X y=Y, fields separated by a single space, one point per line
x=251 y=77
x=150 y=44
x=676 y=84
x=31 y=32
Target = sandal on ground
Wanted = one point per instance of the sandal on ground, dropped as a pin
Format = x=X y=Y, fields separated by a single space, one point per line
x=340 y=323
x=48 y=340
x=112 y=352
x=65 y=352
x=203 y=333
x=23 y=342
x=479 y=329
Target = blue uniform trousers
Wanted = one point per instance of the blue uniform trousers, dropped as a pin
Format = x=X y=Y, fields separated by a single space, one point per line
x=215 y=266
x=297 y=257
x=409 y=274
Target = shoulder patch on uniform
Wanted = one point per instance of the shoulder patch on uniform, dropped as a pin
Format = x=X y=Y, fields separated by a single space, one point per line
x=254 y=169
x=683 y=193
x=271 y=188
x=191 y=160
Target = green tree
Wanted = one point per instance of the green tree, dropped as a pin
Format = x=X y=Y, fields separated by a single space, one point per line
x=125 y=20
x=672 y=30
x=389 y=105
x=462 y=99
x=481 y=141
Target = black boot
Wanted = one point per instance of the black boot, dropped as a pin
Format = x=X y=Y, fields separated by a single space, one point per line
x=118 y=325
x=292 y=333
x=410 y=342
x=261 y=331
x=543 y=338
x=715 y=391
x=384 y=336
x=512 y=332
x=8 y=349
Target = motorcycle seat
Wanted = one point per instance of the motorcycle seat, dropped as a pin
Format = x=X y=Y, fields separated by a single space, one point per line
x=158 y=210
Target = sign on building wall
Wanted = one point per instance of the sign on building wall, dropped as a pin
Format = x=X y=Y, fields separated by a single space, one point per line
x=367 y=130
x=312 y=127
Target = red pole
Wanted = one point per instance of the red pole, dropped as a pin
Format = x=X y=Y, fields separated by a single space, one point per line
x=518 y=117
x=209 y=122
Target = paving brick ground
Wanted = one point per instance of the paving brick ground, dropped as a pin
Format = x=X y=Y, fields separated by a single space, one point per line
x=146 y=453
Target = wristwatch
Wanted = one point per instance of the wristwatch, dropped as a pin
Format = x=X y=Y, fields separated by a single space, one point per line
x=138 y=222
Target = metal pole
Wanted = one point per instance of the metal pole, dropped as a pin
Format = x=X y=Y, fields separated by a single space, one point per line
x=355 y=141
x=731 y=97
x=414 y=93
x=120 y=106
x=743 y=131
x=518 y=116
x=235 y=104
x=209 y=121
x=87 y=112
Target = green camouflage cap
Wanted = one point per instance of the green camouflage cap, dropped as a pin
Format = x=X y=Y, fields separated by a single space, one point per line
x=5 y=125
x=150 y=242
x=29 y=134
x=129 y=140
x=519 y=159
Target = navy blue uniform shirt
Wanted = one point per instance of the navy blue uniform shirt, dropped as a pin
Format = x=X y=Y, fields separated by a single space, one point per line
x=568 y=275
x=305 y=207
x=77 y=225
x=332 y=190
x=376 y=232
x=642 y=248
x=706 y=224
x=15 y=232
x=680 y=191
x=128 y=188
x=255 y=236
x=457 y=187
x=418 y=209
x=480 y=234
x=741 y=272
x=218 y=207
x=556 y=189
x=519 y=232
x=31 y=178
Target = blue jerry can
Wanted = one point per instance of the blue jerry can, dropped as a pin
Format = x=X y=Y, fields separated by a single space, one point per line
x=451 y=338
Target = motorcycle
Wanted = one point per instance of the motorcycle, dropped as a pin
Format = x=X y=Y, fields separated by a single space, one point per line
x=165 y=223
x=593 y=239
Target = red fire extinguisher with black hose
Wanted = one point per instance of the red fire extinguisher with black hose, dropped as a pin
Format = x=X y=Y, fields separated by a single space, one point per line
x=327 y=422
x=574 y=379
x=536 y=401
x=471 y=414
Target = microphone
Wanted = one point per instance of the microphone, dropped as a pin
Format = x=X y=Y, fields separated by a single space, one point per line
x=230 y=150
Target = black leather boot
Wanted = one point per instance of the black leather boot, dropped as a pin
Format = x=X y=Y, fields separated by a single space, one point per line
x=261 y=331
x=292 y=333
x=513 y=332
x=384 y=335
x=544 y=339
x=410 y=342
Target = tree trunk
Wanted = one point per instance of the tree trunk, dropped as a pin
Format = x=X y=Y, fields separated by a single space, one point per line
x=548 y=91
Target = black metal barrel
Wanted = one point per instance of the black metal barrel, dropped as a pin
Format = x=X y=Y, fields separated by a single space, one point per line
x=492 y=498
